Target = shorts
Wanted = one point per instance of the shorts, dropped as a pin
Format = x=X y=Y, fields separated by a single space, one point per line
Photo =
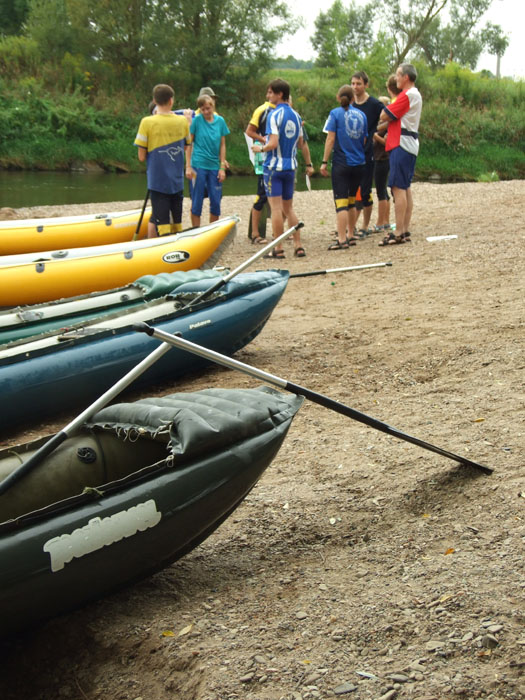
x=381 y=170
x=345 y=183
x=402 y=166
x=206 y=181
x=279 y=183
x=162 y=205
x=261 y=198
x=366 y=185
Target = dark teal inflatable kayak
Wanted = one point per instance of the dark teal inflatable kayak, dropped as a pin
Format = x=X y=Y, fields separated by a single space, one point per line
x=66 y=369
x=135 y=489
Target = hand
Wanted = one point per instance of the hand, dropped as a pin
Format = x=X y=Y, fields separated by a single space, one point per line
x=258 y=147
x=310 y=170
x=190 y=173
x=221 y=176
x=323 y=170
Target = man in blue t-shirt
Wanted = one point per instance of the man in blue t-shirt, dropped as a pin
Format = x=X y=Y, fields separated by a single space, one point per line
x=283 y=134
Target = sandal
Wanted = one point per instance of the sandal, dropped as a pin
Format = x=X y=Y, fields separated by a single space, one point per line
x=392 y=239
x=339 y=246
x=259 y=240
x=352 y=240
x=300 y=252
x=278 y=254
x=406 y=236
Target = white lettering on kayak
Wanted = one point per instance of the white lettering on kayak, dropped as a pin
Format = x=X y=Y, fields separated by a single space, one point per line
x=100 y=533
x=200 y=324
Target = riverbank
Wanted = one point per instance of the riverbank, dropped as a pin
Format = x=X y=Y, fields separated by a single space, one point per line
x=360 y=566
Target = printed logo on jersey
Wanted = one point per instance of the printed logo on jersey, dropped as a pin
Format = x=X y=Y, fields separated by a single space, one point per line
x=353 y=124
x=290 y=129
x=172 y=151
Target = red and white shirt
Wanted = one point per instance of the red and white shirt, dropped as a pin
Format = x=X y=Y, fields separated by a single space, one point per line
x=405 y=113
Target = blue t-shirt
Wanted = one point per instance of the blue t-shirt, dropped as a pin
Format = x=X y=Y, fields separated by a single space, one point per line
x=207 y=141
x=286 y=123
x=351 y=128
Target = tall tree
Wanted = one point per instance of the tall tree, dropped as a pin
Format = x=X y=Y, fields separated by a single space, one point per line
x=496 y=42
x=343 y=32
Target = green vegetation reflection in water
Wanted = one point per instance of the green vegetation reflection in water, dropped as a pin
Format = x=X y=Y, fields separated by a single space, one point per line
x=30 y=189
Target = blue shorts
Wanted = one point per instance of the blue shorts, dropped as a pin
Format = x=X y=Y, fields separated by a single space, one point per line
x=279 y=183
x=402 y=166
x=206 y=181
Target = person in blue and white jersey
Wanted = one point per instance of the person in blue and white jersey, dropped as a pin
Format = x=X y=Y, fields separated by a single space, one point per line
x=284 y=134
x=346 y=133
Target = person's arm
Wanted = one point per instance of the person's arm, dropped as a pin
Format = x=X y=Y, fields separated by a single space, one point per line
x=222 y=157
x=328 y=148
x=252 y=132
x=188 y=149
x=142 y=153
x=270 y=145
x=305 y=150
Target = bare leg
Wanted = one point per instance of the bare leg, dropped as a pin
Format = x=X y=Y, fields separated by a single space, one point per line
x=195 y=220
x=382 y=212
x=367 y=213
x=342 y=223
x=256 y=218
x=400 y=208
x=213 y=217
x=152 y=230
x=410 y=207
x=352 y=220
x=290 y=215
x=276 y=208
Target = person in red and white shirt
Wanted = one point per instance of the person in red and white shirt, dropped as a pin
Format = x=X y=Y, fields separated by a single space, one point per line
x=402 y=142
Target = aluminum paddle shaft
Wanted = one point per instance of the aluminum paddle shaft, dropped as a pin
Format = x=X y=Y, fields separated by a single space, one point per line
x=263 y=251
x=320 y=399
x=60 y=437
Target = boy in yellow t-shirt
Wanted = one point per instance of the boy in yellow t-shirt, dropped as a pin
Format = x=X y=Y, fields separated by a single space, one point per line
x=163 y=142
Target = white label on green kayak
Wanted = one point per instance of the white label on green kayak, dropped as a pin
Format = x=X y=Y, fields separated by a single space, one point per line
x=101 y=532
x=176 y=256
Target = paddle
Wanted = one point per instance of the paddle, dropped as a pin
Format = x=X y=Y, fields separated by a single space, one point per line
x=66 y=432
x=244 y=265
x=136 y=234
x=340 y=269
x=322 y=400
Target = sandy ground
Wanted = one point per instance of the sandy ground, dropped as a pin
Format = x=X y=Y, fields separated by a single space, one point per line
x=360 y=565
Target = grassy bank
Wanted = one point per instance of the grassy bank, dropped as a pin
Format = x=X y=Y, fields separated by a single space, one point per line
x=472 y=126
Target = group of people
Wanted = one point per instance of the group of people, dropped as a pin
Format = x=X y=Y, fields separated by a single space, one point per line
x=367 y=139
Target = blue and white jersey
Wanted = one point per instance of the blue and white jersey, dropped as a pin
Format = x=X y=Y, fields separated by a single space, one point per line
x=287 y=125
x=351 y=128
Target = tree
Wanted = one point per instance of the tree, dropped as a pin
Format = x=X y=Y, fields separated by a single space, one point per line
x=342 y=33
x=496 y=42
x=458 y=39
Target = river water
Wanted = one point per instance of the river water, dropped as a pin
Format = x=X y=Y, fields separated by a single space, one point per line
x=31 y=189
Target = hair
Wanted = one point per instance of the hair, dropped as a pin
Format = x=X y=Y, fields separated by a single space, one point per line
x=280 y=86
x=408 y=69
x=361 y=75
x=391 y=84
x=204 y=99
x=345 y=95
x=162 y=94
x=385 y=100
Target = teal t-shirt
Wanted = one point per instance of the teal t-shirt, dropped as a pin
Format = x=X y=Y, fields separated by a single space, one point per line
x=207 y=141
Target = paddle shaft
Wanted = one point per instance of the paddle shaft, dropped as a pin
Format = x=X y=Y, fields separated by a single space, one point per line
x=320 y=399
x=59 y=438
x=341 y=269
x=220 y=283
x=136 y=234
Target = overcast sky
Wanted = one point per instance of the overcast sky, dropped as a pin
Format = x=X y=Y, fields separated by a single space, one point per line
x=509 y=14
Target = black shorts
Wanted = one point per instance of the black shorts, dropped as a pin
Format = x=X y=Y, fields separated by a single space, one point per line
x=261 y=198
x=381 y=170
x=345 y=182
x=163 y=205
x=366 y=185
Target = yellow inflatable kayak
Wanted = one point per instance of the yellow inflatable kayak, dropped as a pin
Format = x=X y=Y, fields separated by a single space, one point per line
x=28 y=235
x=47 y=278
